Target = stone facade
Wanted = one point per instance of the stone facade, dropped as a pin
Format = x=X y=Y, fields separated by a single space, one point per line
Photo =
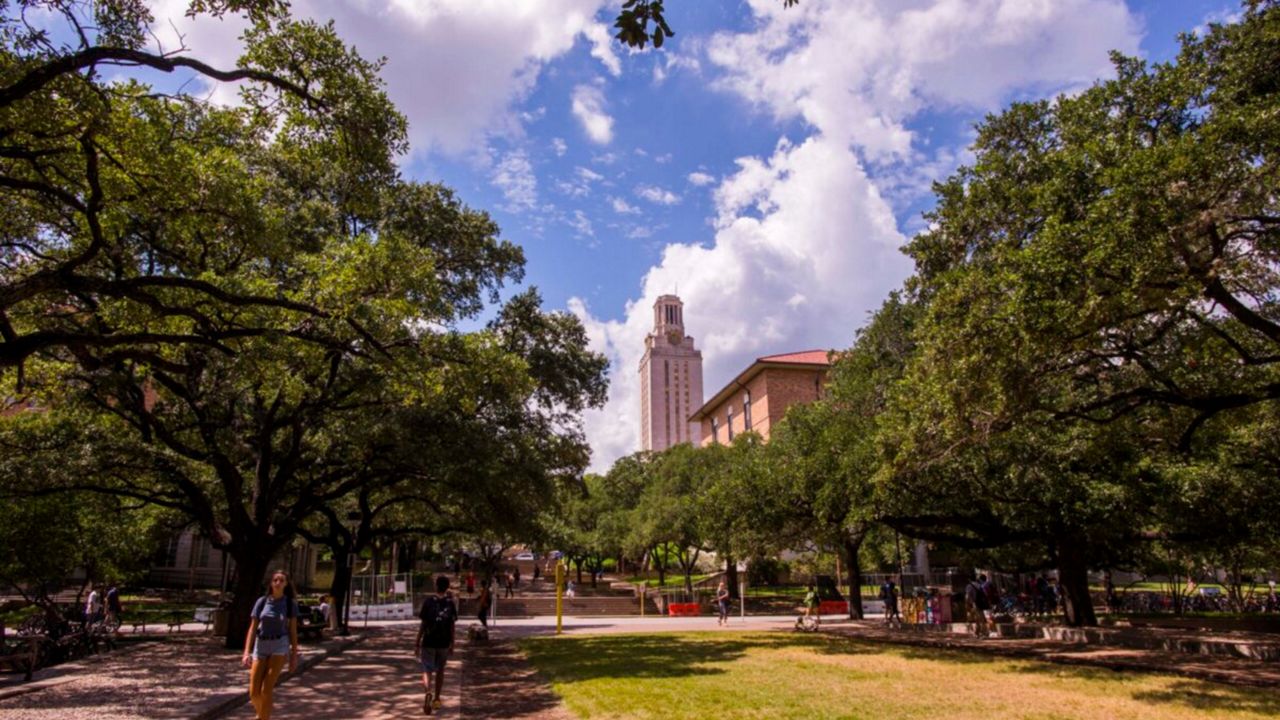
x=670 y=379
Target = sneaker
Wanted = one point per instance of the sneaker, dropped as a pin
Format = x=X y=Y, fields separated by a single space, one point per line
x=436 y=703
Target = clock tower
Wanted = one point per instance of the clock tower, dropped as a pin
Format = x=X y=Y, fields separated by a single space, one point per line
x=670 y=380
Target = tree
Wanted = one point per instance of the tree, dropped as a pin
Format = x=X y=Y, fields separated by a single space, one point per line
x=137 y=221
x=633 y=21
x=1100 y=286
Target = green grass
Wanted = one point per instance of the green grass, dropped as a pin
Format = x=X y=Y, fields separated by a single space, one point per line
x=727 y=675
x=673 y=580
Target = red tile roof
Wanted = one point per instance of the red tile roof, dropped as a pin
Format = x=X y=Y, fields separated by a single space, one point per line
x=804 y=357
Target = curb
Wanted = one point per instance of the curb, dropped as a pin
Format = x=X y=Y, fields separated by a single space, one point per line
x=218 y=707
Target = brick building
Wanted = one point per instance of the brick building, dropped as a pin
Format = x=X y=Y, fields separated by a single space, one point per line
x=759 y=396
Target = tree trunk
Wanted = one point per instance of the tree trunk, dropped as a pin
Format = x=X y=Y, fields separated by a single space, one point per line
x=340 y=588
x=1073 y=573
x=731 y=576
x=251 y=568
x=852 y=546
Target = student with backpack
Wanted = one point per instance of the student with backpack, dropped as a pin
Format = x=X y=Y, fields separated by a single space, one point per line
x=273 y=636
x=439 y=614
x=975 y=599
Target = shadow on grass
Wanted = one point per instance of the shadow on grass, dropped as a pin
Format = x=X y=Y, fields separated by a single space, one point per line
x=1214 y=697
x=663 y=656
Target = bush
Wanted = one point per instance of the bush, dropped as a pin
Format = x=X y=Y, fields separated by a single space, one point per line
x=767 y=571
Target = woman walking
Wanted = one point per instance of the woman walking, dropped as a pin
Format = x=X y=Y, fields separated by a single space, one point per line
x=722 y=602
x=273 y=636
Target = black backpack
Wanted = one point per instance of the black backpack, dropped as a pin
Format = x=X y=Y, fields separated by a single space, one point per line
x=438 y=616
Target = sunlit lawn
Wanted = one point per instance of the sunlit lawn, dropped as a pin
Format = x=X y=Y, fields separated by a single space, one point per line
x=784 y=675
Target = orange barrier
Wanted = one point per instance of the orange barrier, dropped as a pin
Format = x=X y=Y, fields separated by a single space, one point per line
x=833 y=607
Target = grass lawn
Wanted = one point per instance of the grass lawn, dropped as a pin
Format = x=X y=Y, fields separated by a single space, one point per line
x=784 y=675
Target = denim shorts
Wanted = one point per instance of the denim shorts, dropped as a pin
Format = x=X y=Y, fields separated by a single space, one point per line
x=264 y=648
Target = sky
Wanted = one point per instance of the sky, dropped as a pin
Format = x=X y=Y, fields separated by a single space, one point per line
x=766 y=164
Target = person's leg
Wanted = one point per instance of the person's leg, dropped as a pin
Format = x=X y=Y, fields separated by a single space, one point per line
x=275 y=664
x=257 y=675
x=439 y=690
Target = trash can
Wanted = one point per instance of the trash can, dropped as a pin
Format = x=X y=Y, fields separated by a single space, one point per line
x=220 y=618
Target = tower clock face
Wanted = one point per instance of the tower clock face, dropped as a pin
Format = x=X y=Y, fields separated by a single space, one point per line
x=674 y=337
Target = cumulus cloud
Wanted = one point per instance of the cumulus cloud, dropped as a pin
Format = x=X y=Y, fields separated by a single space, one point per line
x=701 y=178
x=657 y=195
x=588 y=106
x=805 y=241
x=559 y=146
x=456 y=68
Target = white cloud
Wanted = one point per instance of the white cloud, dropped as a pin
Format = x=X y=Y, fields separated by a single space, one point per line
x=514 y=176
x=581 y=224
x=657 y=195
x=805 y=240
x=856 y=71
x=559 y=147
x=622 y=207
x=456 y=68
x=588 y=107
x=588 y=174
x=701 y=178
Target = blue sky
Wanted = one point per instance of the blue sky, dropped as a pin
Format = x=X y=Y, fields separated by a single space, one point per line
x=767 y=163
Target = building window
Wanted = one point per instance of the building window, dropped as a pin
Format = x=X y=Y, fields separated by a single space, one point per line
x=746 y=411
x=715 y=431
x=728 y=421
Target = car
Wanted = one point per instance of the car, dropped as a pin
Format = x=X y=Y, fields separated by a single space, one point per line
x=524 y=556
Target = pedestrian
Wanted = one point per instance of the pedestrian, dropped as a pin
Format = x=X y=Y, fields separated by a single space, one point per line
x=439 y=615
x=722 y=602
x=272 y=636
x=993 y=597
x=471 y=582
x=569 y=590
x=515 y=576
x=93 y=605
x=113 y=606
x=483 y=603
x=535 y=571
x=889 y=594
x=506 y=578
x=975 y=601
x=323 y=609
x=812 y=602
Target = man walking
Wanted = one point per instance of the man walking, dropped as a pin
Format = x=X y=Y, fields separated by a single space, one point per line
x=439 y=614
x=975 y=600
x=889 y=594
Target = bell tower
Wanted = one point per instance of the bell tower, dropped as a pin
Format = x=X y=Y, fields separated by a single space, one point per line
x=670 y=380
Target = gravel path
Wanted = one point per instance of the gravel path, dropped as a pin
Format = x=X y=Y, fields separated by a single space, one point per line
x=164 y=679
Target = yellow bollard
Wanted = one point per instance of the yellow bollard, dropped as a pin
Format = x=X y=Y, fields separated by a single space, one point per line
x=559 y=597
